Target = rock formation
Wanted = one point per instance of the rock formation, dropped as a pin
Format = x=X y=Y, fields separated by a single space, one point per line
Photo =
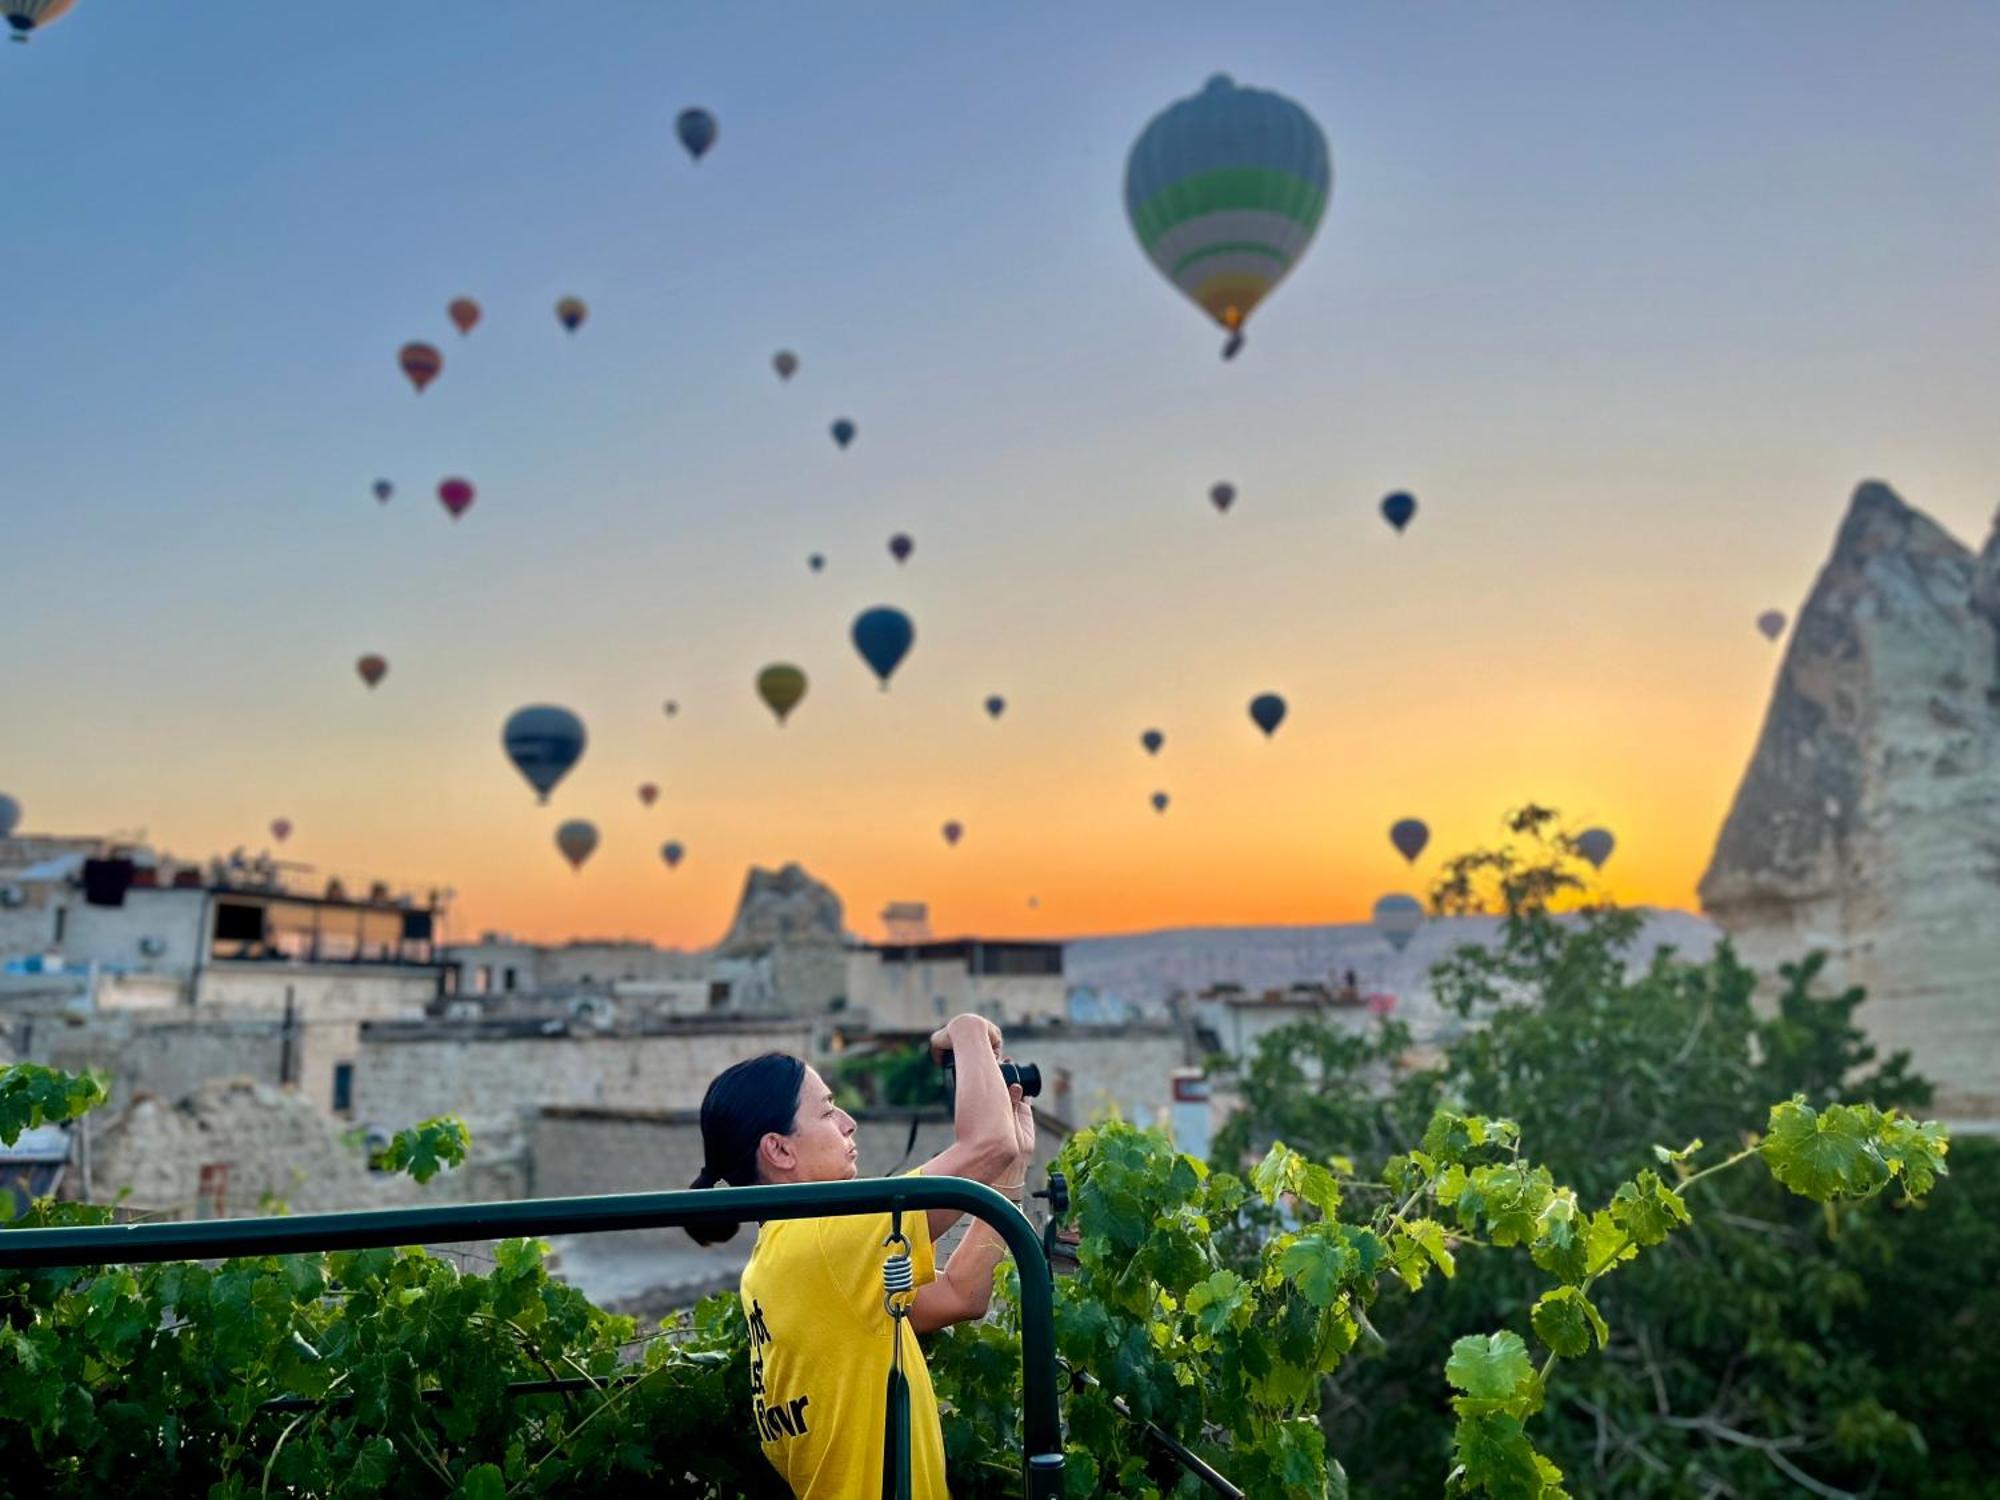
x=1868 y=822
x=791 y=925
x=781 y=907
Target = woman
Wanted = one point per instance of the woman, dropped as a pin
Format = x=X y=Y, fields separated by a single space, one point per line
x=820 y=1341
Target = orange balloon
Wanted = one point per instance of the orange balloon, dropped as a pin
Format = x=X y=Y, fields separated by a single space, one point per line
x=464 y=314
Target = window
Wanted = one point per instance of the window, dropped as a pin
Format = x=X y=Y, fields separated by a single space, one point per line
x=62 y=922
x=507 y=980
x=483 y=984
x=937 y=1004
x=343 y=1088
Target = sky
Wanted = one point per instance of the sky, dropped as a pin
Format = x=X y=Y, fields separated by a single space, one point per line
x=1630 y=298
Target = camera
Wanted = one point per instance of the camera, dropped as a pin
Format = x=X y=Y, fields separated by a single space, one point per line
x=1027 y=1075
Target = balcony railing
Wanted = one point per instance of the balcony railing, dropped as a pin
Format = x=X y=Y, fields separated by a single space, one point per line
x=1042 y=1455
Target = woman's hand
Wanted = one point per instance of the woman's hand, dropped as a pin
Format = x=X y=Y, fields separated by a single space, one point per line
x=948 y=1036
x=1024 y=1129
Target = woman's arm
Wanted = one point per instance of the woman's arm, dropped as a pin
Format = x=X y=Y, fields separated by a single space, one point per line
x=986 y=1146
x=964 y=1288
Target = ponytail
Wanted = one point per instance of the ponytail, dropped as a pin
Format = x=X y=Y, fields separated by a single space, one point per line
x=743 y=1104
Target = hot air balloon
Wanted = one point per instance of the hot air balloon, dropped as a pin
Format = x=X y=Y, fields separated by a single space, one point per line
x=817 y=562
x=372 y=669
x=953 y=832
x=1160 y=802
x=1398 y=918
x=543 y=741
x=570 y=312
x=843 y=432
x=1409 y=835
x=456 y=496
x=883 y=636
x=785 y=363
x=995 y=706
x=1772 y=623
x=1595 y=845
x=781 y=686
x=900 y=547
x=696 y=128
x=648 y=794
x=671 y=851
x=1152 y=739
x=577 y=838
x=1398 y=508
x=670 y=708
x=383 y=490
x=1224 y=191
x=1222 y=495
x=1267 y=712
x=29 y=16
x=10 y=816
x=281 y=829
x=464 y=314
x=421 y=362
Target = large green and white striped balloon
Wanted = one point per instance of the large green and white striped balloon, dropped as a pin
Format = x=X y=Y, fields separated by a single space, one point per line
x=1224 y=191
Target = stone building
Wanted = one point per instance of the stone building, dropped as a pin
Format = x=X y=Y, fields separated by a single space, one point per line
x=1868 y=821
x=918 y=986
x=104 y=929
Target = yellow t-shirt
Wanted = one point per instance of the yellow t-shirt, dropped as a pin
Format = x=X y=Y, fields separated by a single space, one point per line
x=820 y=1354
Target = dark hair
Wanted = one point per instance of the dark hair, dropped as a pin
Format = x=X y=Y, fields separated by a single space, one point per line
x=744 y=1103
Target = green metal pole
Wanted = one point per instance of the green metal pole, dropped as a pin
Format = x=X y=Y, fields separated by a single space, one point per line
x=131 y=1244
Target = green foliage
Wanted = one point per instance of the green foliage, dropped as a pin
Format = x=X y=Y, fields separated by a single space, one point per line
x=426 y=1148
x=893 y=1078
x=32 y=1095
x=1775 y=1330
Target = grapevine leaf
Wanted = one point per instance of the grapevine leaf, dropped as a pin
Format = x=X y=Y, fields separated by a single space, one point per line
x=1915 y=1152
x=1490 y=1368
x=1496 y=1457
x=1822 y=1156
x=1318 y=1264
x=1647 y=1209
x=1214 y=1303
x=1564 y=1319
x=483 y=1482
x=1319 y=1187
x=1429 y=1234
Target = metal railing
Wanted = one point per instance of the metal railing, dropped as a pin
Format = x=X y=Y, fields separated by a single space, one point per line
x=1042 y=1448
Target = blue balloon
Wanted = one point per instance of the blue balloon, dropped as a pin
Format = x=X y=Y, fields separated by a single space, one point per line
x=1267 y=711
x=543 y=742
x=883 y=637
x=696 y=128
x=843 y=432
x=996 y=706
x=1152 y=739
x=1160 y=802
x=1398 y=508
x=816 y=562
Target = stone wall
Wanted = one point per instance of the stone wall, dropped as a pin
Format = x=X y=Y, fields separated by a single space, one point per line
x=495 y=1076
x=331 y=1002
x=1126 y=1070
x=168 y=1054
x=1868 y=821
x=267 y=1140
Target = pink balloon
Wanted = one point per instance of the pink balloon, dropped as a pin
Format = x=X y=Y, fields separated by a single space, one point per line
x=281 y=829
x=456 y=496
